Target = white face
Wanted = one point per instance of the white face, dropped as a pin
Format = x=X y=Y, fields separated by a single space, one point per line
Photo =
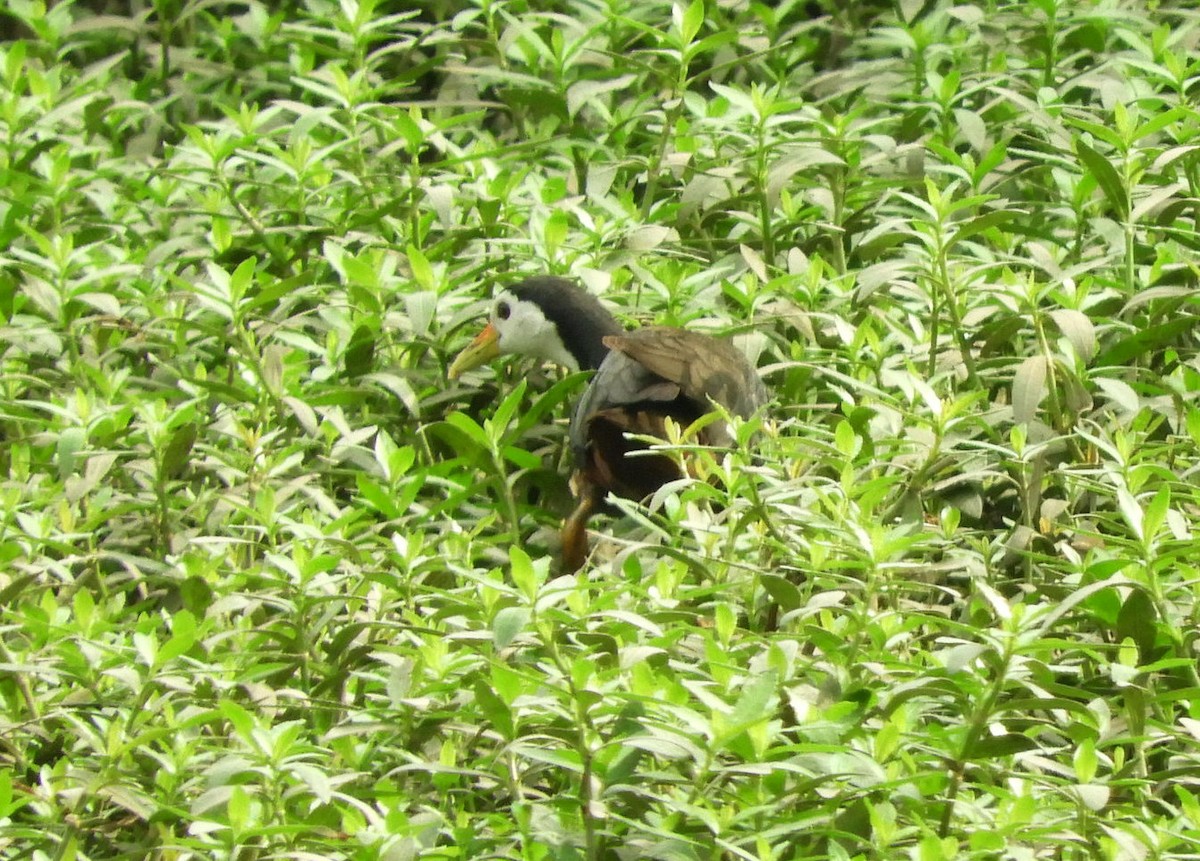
x=525 y=331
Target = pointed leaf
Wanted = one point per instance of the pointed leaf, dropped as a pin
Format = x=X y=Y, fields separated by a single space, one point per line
x=503 y=415
x=993 y=746
x=422 y=272
x=523 y=572
x=1120 y=394
x=1094 y=796
x=1156 y=512
x=581 y=93
x=1136 y=621
x=1106 y=177
x=175 y=455
x=1028 y=388
x=360 y=352
x=378 y=497
x=782 y=591
x=70 y=442
x=494 y=709
x=1148 y=340
x=183 y=637
x=980 y=223
x=470 y=428
x=757 y=701
x=1078 y=329
x=1085 y=761
x=690 y=20
x=509 y=622
x=1132 y=512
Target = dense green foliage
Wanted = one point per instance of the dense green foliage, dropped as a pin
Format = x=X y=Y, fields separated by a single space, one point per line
x=272 y=587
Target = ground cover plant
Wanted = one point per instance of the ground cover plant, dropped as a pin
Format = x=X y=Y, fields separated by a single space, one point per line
x=272 y=587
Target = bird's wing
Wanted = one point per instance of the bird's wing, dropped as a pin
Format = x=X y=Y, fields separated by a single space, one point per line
x=620 y=382
x=705 y=368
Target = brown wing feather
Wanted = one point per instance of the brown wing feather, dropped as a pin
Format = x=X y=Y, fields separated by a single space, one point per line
x=704 y=367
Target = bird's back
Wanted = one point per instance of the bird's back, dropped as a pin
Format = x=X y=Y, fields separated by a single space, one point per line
x=659 y=371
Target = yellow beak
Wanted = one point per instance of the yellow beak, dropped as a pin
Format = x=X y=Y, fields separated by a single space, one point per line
x=483 y=349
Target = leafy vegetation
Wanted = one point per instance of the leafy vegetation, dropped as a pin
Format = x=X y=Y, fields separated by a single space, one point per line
x=271 y=586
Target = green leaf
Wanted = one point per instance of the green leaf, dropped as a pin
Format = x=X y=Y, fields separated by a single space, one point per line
x=508 y=623
x=546 y=402
x=10 y=804
x=1131 y=510
x=1189 y=805
x=422 y=272
x=409 y=129
x=1156 y=513
x=379 y=497
x=238 y=809
x=361 y=271
x=690 y=20
x=360 y=352
x=84 y=608
x=241 y=279
x=584 y=92
x=1193 y=425
x=757 y=702
x=494 y=709
x=1120 y=394
x=507 y=683
x=981 y=223
x=1136 y=622
x=242 y=720
x=1106 y=177
x=175 y=454
x=70 y=442
x=1159 y=121
x=993 y=746
x=1078 y=329
x=14 y=59
x=1147 y=341
x=1028 y=388
x=523 y=573
x=782 y=591
x=1093 y=796
x=470 y=429
x=182 y=639
x=196 y=594
x=503 y=414
x=1085 y=761
x=554 y=232
x=520 y=458
x=272 y=368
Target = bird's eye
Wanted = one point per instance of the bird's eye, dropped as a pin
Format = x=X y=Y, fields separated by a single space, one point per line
x=502 y=310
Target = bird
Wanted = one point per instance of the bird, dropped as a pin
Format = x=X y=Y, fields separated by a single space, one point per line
x=643 y=377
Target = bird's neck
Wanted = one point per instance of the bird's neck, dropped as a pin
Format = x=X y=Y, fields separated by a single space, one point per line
x=583 y=336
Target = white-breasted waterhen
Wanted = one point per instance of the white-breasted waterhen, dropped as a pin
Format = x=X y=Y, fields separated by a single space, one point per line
x=643 y=377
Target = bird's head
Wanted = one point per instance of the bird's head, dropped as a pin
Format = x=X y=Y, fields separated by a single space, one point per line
x=546 y=318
